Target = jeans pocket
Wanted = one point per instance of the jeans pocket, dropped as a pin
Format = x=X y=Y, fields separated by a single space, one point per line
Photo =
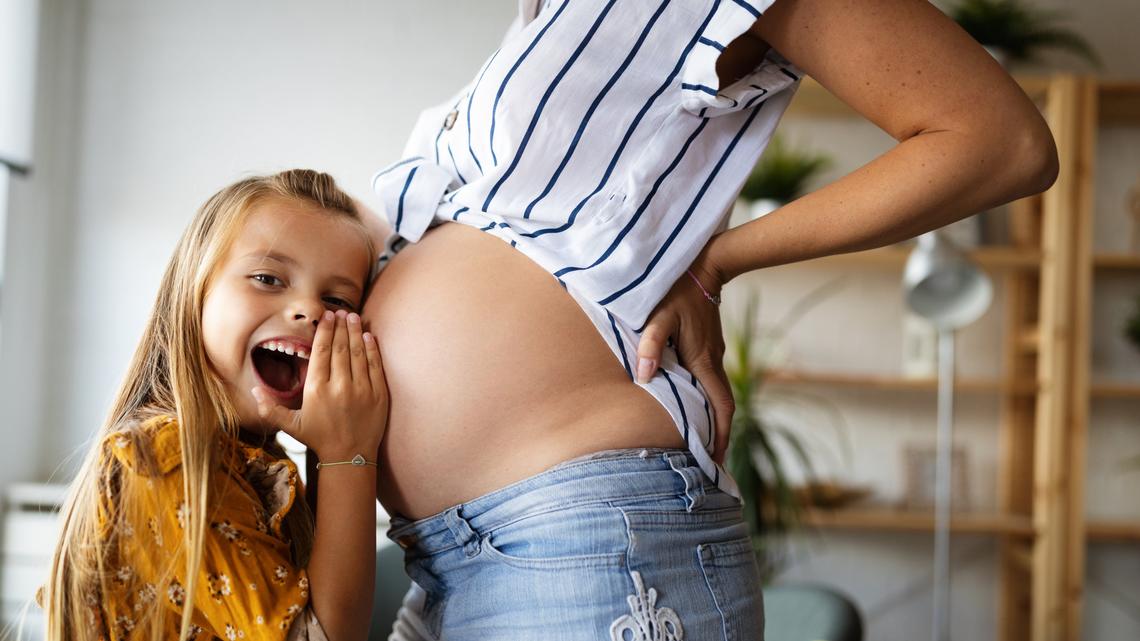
x=573 y=537
x=544 y=562
x=733 y=577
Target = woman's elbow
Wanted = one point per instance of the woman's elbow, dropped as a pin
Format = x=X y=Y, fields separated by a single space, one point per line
x=1036 y=159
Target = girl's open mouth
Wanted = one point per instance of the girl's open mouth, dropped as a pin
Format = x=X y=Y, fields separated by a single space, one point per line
x=281 y=365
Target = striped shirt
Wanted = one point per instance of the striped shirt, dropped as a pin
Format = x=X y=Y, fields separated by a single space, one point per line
x=597 y=141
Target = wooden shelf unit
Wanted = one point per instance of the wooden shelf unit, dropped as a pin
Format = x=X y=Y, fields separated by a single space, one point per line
x=1113 y=530
x=1046 y=387
x=1108 y=261
x=892 y=383
x=1114 y=389
x=886 y=519
x=878 y=519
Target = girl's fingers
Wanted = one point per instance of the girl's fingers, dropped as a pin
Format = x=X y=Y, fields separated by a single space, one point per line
x=322 y=349
x=283 y=418
x=357 y=359
x=339 y=367
x=375 y=364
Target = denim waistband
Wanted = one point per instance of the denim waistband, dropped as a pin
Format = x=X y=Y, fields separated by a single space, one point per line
x=599 y=477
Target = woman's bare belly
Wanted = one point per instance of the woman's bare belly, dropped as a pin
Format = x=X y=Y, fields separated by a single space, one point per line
x=495 y=374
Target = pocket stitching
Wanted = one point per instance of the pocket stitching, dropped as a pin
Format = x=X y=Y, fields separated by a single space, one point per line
x=709 y=556
x=609 y=559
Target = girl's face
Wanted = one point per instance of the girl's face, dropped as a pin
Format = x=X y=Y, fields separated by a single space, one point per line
x=289 y=263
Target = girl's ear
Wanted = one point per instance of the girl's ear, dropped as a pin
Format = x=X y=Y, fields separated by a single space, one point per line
x=378 y=228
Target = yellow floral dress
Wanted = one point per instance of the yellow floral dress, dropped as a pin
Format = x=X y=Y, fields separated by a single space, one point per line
x=248 y=585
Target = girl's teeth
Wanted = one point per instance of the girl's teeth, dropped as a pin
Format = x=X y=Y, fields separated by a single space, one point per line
x=286 y=348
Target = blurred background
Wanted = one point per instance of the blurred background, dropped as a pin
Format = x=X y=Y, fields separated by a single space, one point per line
x=119 y=117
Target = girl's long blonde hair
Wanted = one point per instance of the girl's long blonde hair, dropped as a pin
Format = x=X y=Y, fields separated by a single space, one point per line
x=170 y=374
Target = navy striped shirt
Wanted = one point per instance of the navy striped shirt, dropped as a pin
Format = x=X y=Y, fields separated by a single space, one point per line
x=597 y=141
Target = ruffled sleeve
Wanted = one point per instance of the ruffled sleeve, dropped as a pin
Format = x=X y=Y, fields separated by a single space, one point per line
x=725 y=20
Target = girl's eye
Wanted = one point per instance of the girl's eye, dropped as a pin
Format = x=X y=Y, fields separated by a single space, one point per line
x=340 y=302
x=267 y=279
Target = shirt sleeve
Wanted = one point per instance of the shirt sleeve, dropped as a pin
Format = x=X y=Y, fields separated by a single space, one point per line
x=701 y=92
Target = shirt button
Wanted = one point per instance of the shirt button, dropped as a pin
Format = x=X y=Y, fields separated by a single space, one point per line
x=449 y=121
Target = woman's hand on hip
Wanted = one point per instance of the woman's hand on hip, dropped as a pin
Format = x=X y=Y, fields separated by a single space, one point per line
x=693 y=322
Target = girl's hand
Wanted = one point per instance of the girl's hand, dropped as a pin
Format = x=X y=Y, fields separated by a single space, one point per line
x=693 y=322
x=344 y=410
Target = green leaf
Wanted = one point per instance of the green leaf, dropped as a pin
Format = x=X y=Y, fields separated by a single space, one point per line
x=781 y=173
x=1021 y=30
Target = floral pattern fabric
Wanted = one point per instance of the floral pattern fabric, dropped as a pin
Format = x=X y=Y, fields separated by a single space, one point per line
x=248 y=586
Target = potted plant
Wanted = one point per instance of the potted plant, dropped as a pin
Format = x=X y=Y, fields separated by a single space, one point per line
x=756 y=458
x=779 y=177
x=1014 y=32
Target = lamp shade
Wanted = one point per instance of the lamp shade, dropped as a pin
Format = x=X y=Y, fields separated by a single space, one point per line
x=943 y=286
x=18 y=36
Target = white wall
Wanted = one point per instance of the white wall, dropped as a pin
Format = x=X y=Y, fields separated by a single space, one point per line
x=178 y=99
x=148 y=106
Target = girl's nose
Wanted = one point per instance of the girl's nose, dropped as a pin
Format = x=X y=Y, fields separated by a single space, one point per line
x=307 y=311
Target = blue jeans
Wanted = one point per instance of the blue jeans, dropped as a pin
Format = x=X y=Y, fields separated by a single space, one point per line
x=629 y=545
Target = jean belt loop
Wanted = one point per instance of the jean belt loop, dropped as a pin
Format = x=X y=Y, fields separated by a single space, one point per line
x=464 y=535
x=694 y=487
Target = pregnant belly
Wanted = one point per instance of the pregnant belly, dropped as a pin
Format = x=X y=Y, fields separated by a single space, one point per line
x=495 y=374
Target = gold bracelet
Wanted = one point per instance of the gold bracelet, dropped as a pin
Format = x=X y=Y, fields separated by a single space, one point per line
x=357 y=461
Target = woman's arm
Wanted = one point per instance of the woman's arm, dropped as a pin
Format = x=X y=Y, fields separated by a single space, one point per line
x=969 y=137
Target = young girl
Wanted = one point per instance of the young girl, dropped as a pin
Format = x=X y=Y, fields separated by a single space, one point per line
x=185 y=520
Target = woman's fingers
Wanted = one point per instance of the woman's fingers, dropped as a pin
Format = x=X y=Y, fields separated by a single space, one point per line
x=653 y=338
x=322 y=349
x=339 y=367
x=357 y=360
x=375 y=364
x=724 y=407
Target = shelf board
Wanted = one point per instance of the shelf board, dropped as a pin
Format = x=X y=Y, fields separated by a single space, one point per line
x=1116 y=260
x=890 y=520
x=893 y=382
x=1119 y=102
x=992 y=258
x=888 y=382
x=1112 y=530
x=1111 y=389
